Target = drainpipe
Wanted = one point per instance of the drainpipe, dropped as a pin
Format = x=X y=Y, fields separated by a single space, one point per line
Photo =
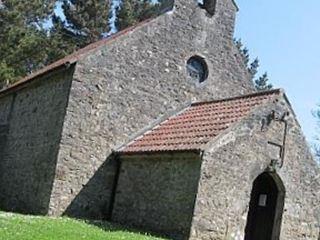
x=283 y=149
x=282 y=119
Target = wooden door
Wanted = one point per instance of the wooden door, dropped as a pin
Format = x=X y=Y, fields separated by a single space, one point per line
x=265 y=204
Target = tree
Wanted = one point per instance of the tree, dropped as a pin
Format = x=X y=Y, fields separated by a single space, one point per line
x=86 y=22
x=131 y=12
x=243 y=51
x=23 y=40
x=27 y=43
x=261 y=83
x=253 y=69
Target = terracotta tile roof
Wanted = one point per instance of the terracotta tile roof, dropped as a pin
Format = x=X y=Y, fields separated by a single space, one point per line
x=72 y=58
x=195 y=126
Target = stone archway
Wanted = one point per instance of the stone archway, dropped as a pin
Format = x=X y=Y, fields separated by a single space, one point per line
x=266 y=208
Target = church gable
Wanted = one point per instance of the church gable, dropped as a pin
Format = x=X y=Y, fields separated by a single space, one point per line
x=252 y=177
x=122 y=86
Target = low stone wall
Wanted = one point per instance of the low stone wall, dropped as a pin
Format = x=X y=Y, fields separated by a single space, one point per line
x=157 y=193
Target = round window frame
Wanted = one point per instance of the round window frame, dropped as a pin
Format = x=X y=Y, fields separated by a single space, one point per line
x=204 y=66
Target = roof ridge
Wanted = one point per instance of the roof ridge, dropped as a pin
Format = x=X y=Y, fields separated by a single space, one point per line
x=255 y=94
x=74 y=57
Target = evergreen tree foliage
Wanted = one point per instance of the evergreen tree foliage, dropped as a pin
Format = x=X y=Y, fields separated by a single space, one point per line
x=238 y=43
x=262 y=83
x=244 y=51
x=246 y=56
x=131 y=12
x=62 y=43
x=253 y=69
x=23 y=40
x=27 y=44
x=86 y=22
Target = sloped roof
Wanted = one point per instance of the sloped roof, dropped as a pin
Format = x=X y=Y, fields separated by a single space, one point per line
x=72 y=58
x=195 y=126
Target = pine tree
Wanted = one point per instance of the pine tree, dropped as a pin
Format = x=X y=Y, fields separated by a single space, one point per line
x=86 y=22
x=244 y=51
x=246 y=56
x=23 y=40
x=253 y=69
x=26 y=43
x=131 y=12
x=262 y=83
x=238 y=43
x=126 y=14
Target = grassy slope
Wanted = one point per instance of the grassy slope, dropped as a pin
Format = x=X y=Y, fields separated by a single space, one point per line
x=19 y=227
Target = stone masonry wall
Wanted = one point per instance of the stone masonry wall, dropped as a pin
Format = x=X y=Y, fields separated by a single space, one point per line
x=31 y=122
x=233 y=161
x=125 y=85
x=157 y=193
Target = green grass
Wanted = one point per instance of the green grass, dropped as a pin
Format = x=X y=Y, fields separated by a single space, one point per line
x=21 y=227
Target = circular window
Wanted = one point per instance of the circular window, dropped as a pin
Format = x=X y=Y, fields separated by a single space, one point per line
x=197 y=69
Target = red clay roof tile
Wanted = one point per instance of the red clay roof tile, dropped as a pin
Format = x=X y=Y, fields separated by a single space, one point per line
x=197 y=125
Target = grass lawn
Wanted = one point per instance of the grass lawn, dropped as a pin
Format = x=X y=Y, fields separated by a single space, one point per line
x=21 y=227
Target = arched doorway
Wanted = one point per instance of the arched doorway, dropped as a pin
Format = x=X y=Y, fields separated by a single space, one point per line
x=266 y=208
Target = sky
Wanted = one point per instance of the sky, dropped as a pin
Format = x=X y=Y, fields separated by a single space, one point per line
x=285 y=36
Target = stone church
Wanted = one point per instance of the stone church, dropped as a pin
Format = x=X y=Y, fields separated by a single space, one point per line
x=160 y=128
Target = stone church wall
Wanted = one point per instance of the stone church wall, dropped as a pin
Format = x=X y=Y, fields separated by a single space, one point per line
x=31 y=122
x=233 y=161
x=157 y=193
x=127 y=84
